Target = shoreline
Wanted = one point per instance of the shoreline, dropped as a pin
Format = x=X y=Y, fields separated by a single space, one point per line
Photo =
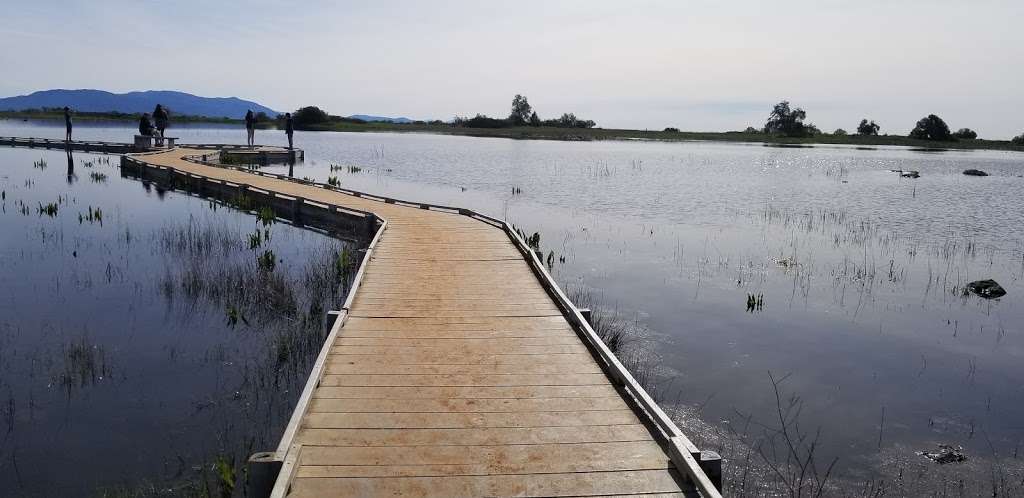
x=576 y=134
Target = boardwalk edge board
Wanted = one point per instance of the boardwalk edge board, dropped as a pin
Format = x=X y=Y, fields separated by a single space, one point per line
x=702 y=469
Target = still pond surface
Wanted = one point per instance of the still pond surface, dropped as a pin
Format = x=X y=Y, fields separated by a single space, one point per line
x=858 y=273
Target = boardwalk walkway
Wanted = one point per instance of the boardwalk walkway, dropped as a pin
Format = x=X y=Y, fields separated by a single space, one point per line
x=455 y=372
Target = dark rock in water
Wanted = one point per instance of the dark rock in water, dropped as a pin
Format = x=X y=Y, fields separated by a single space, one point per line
x=988 y=289
x=975 y=172
x=910 y=174
x=946 y=454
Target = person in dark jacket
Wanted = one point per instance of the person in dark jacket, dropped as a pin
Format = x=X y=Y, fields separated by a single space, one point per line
x=67 y=123
x=145 y=126
x=161 y=118
x=250 y=128
x=289 y=127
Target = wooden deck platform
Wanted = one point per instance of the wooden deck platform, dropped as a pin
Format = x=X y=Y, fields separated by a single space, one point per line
x=458 y=368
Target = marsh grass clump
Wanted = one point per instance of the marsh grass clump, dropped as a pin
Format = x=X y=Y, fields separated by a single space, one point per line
x=255 y=240
x=94 y=215
x=84 y=364
x=97 y=177
x=267 y=261
x=242 y=202
x=333 y=181
x=40 y=164
x=266 y=216
x=50 y=209
x=353 y=169
x=196 y=240
x=755 y=302
x=343 y=263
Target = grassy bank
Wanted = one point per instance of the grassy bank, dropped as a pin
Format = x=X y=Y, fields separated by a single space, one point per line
x=582 y=134
x=565 y=134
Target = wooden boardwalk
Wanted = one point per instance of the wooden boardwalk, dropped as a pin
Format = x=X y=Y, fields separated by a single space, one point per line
x=458 y=369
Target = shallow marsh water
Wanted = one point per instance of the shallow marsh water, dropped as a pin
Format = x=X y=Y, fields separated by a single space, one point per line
x=141 y=344
x=861 y=272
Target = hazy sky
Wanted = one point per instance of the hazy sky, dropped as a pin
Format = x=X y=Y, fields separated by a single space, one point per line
x=707 y=65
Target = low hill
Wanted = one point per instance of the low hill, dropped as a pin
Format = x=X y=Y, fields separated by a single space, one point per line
x=135 y=102
x=380 y=119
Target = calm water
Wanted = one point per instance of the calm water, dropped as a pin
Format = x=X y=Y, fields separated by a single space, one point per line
x=861 y=271
x=121 y=360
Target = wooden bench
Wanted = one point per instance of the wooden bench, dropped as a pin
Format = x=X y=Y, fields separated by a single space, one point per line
x=145 y=142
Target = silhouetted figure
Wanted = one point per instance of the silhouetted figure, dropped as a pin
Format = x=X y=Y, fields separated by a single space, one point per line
x=67 y=123
x=161 y=118
x=289 y=127
x=145 y=126
x=71 y=167
x=250 y=128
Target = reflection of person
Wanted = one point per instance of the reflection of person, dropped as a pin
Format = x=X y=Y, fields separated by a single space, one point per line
x=161 y=117
x=145 y=126
x=67 y=123
x=250 y=128
x=289 y=127
x=71 y=167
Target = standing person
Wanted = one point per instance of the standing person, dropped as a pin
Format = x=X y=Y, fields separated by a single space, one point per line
x=161 y=118
x=289 y=127
x=67 y=123
x=250 y=128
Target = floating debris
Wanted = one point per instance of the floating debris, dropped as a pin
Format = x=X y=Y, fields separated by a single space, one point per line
x=987 y=289
x=975 y=172
x=946 y=454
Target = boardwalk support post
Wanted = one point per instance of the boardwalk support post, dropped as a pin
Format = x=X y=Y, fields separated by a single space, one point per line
x=263 y=468
x=711 y=463
x=297 y=211
x=586 y=315
x=371 y=226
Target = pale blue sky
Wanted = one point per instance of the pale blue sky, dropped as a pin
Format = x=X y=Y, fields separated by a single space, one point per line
x=696 y=65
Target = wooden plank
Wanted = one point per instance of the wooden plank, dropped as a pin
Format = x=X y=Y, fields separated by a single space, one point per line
x=464 y=380
x=336 y=366
x=473 y=349
x=413 y=341
x=473 y=436
x=457 y=334
x=344 y=461
x=442 y=357
x=469 y=392
x=570 y=484
x=467 y=323
x=462 y=405
x=468 y=420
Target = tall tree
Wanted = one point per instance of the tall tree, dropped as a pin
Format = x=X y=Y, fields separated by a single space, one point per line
x=786 y=120
x=521 y=111
x=534 y=119
x=931 y=127
x=868 y=127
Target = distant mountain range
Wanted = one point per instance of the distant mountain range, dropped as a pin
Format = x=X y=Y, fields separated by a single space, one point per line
x=135 y=102
x=385 y=119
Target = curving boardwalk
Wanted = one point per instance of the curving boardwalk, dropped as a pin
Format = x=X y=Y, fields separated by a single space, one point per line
x=455 y=373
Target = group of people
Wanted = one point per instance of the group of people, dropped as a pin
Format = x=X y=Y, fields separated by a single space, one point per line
x=250 y=128
x=155 y=124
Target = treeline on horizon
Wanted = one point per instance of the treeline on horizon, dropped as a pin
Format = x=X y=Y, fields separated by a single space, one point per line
x=784 y=123
x=787 y=121
x=523 y=114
